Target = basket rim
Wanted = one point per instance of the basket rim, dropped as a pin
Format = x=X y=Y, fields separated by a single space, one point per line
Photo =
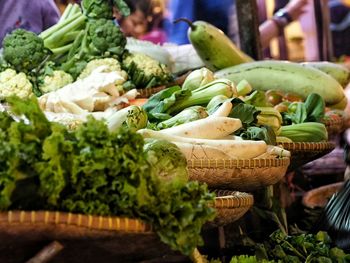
x=233 y=199
x=93 y=222
x=319 y=191
x=225 y=199
x=238 y=163
x=308 y=146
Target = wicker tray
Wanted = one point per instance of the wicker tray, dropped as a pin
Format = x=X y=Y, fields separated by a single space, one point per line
x=304 y=152
x=334 y=126
x=319 y=197
x=89 y=238
x=240 y=174
x=230 y=206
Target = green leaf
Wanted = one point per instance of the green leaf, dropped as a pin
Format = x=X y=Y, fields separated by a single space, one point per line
x=245 y=112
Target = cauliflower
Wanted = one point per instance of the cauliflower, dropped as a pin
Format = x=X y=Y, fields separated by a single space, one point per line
x=12 y=83
x=146 y=72
x=54 y=81
x=111 y=65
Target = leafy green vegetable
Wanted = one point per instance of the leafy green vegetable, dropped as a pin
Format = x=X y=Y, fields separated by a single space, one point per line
x=187 y=115
x=203 y=95
x=245 y=112
x=94 y=171
x=257 y=98
x=262 y=133
x=248 y=259
x=312 y=110
x=159 y=103
x=20 y=147
x=315 y=107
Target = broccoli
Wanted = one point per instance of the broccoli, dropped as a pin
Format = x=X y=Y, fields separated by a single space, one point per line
x=100 y=39
x=12 y=83
x=24 y=50
x=104 y=8
x=105 y=38
x=144 y=71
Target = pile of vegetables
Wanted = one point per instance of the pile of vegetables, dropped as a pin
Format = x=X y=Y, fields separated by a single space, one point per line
x=265 y=116
x=202 y=96
x=92 y=170
x=83 y=35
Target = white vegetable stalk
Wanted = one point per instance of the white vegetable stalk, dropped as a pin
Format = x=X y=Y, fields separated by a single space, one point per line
x=208 y=128
x=223 y=111
x=200 y=151
x=245 y=149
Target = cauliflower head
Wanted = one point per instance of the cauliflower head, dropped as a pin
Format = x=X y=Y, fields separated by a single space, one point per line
x=109 y=64
x=54 y=81
x=146 y=72
x=12 y=83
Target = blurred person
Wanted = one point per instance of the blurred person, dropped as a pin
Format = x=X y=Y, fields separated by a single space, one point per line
x=31 y=15
x=340 y=27
x=145 y=21
x=222 y=15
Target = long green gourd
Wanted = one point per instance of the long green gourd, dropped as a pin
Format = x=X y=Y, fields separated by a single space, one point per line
x=211 y=44
x=289 y=77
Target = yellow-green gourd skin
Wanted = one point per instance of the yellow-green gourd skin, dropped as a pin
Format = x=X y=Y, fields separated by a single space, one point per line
x=339 y=72
x=289 y=77
x=215 y=49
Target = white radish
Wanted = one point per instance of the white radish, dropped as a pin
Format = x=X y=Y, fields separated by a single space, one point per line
x=278 y=151
x=207 y=128
x=245 y=149
x=200 y=151
x=223 y=111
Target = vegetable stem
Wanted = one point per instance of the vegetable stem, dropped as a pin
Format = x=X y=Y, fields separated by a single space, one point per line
x=55 y=38
x=189 y=22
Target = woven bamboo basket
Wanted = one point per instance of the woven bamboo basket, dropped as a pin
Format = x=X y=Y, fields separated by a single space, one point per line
x=88 y=238
x=334 y=126
x=238 y=174
x=230 y=206
x=305 y=152
x=319 y=197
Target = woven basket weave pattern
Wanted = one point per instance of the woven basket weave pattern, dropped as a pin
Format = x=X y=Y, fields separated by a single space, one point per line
x=240 y=175
x=305 y=152
x=230 y=206
x=79 y=220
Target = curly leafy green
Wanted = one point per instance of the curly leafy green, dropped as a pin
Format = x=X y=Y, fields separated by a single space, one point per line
x=91 y=170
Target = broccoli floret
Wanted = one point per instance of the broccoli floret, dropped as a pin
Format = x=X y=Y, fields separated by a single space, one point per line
x=104 y=8
x=110 y=65
x=12 y=84
x=100 y=39
x=106 y=38
x=146 y=72
x=24 y=50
